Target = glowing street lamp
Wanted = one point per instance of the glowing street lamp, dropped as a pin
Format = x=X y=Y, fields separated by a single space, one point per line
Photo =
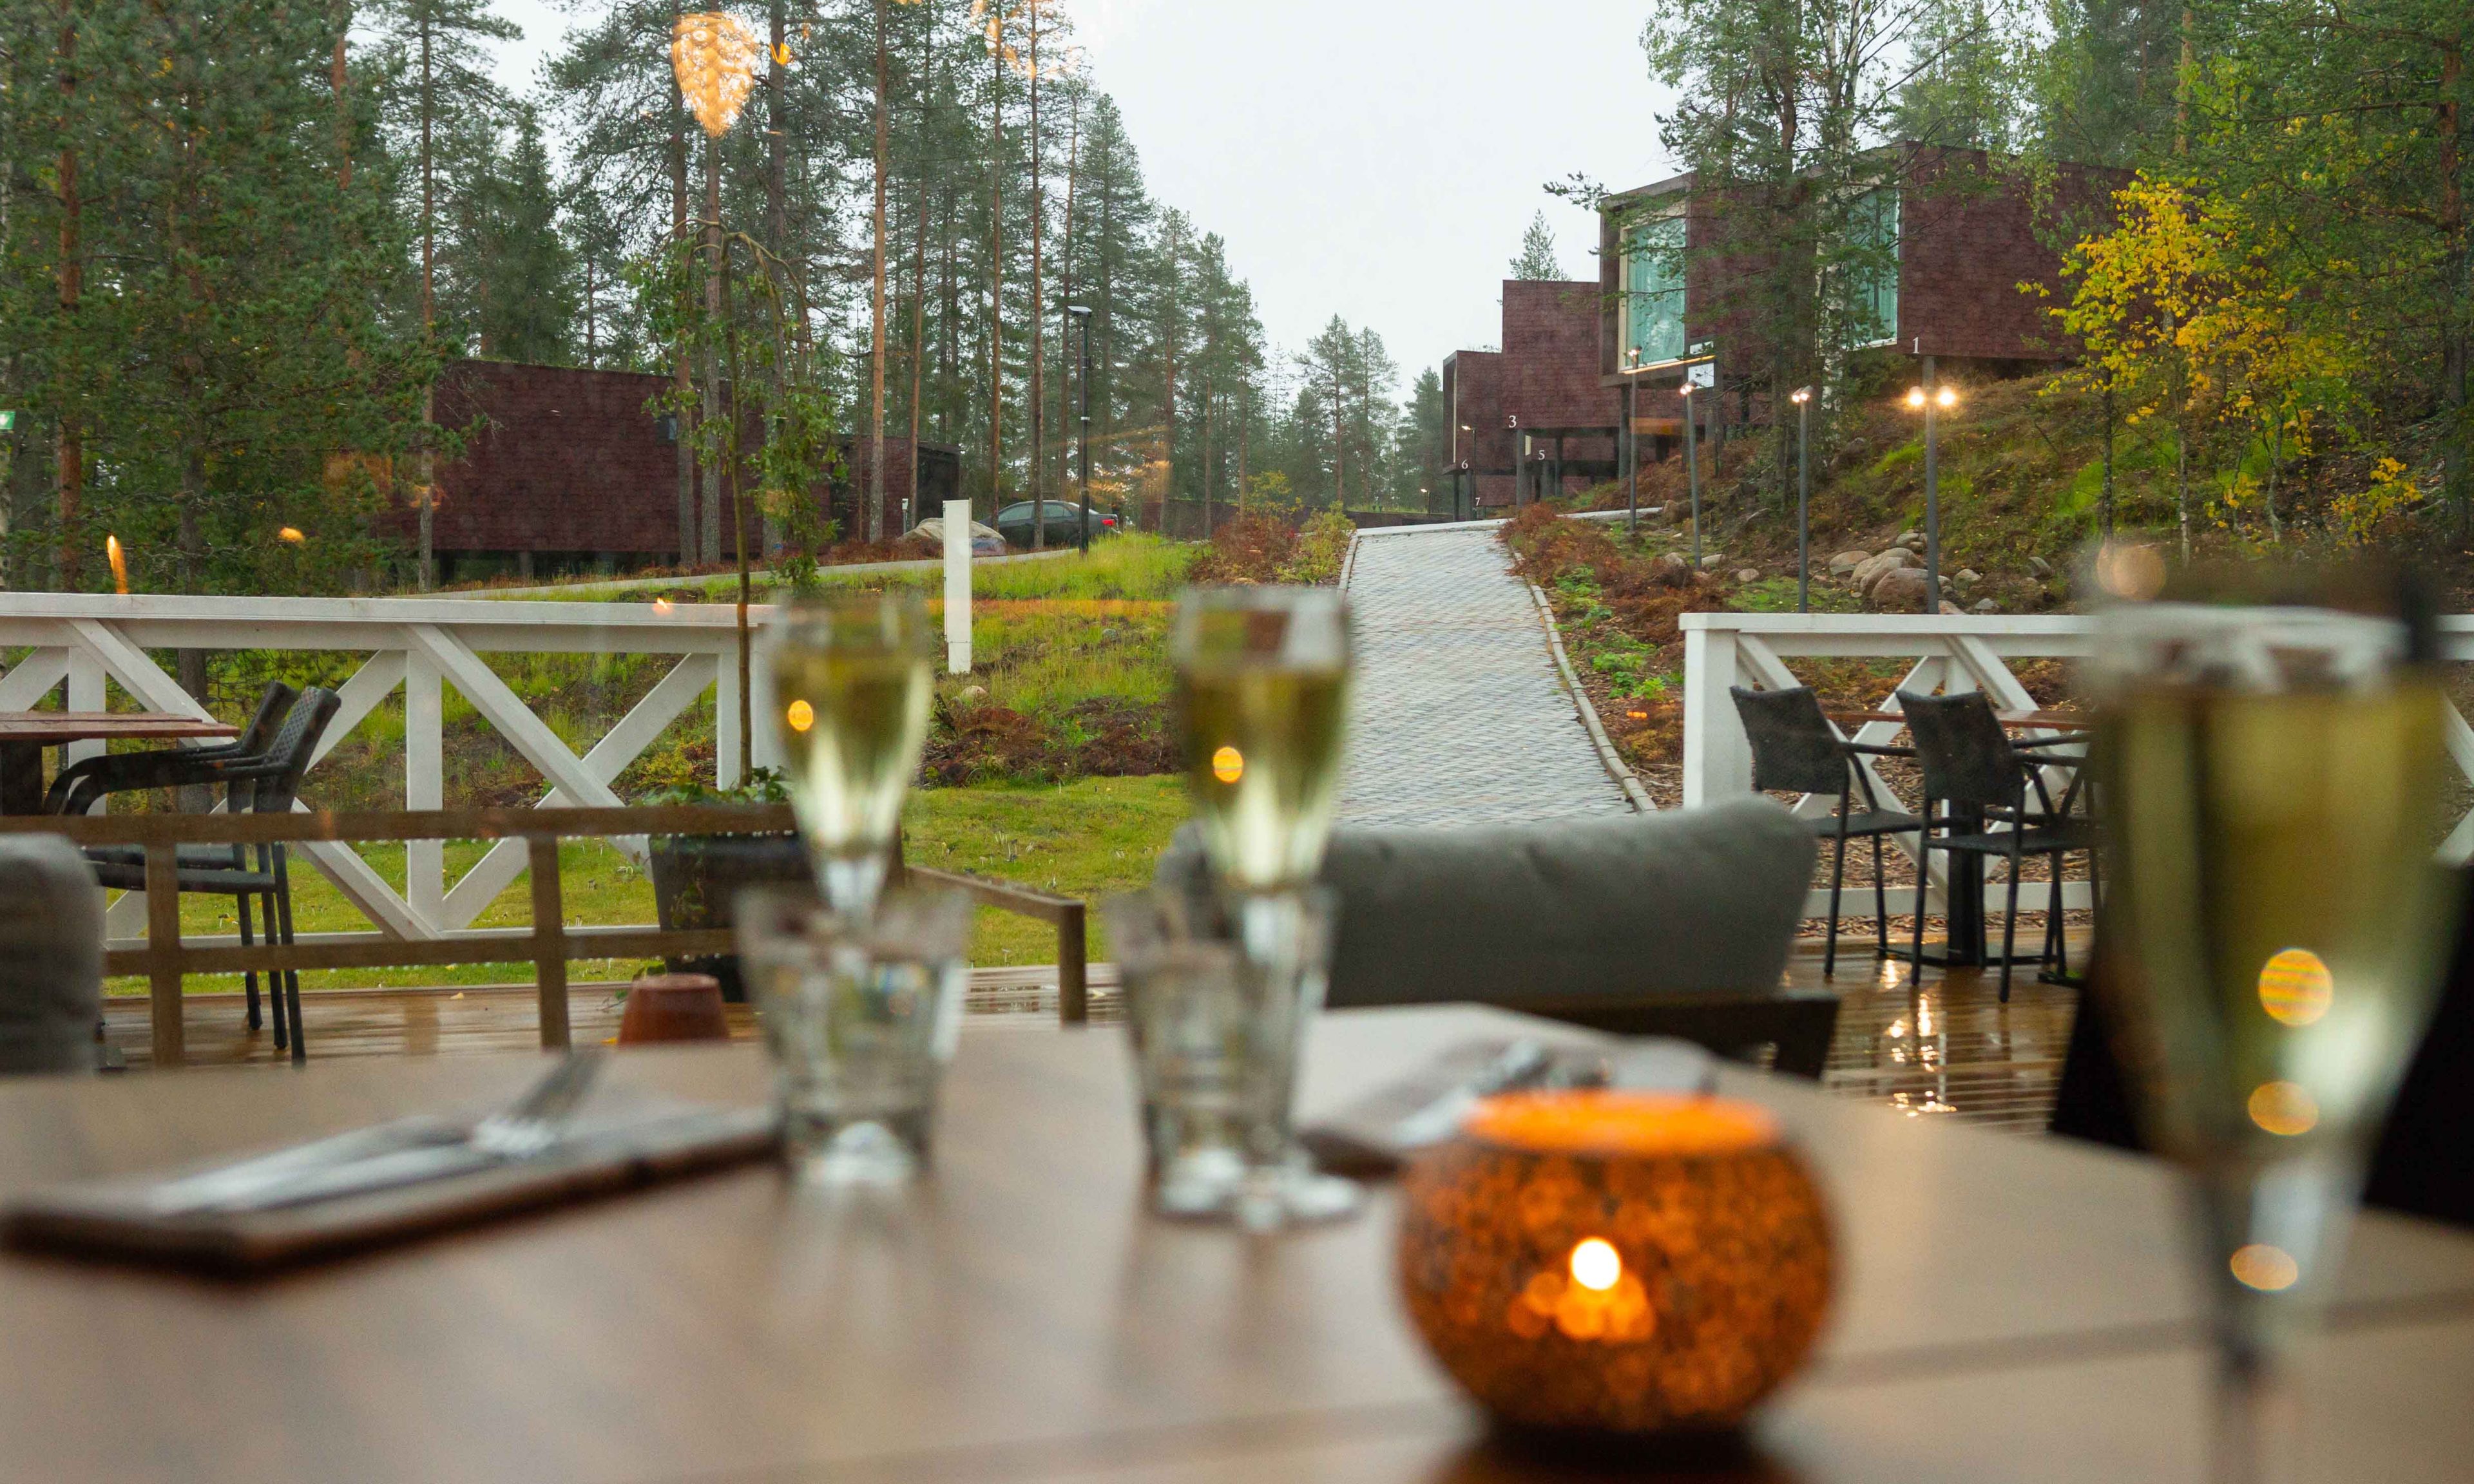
x=1801 y=397
x=1930 y=399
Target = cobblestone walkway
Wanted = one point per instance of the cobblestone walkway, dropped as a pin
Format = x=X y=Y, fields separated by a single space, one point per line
x=1459 y=716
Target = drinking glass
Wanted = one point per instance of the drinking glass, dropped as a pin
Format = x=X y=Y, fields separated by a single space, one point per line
x=851 y=681
x=1217 y=1029
x=861 y=1011
x=2271 y=781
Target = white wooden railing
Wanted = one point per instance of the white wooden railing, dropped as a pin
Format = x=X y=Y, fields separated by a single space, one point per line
x=419 y=646
x=1945 y=654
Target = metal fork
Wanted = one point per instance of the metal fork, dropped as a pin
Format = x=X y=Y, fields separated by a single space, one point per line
x=525 y=1128
x=534 y=1122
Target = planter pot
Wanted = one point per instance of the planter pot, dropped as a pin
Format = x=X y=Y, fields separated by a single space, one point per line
x=697 y=878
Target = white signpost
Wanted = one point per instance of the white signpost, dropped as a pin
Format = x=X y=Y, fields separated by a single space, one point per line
x=958 y=587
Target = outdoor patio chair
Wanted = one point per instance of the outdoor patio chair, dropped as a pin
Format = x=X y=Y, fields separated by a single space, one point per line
x=1796 y=751
x=80 y=785
x=1975 y=779
x=265 y=784
x=1673 y=924
x=77 y=787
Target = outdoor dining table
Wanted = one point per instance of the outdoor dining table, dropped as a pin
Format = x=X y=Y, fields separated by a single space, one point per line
x=2008 y=1308
x=24 y=734
x=1963 y=939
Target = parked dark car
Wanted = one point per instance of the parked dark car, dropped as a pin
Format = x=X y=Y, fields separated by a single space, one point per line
x=1064 y=520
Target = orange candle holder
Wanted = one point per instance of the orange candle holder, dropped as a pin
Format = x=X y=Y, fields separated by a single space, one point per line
x=1616 y=1261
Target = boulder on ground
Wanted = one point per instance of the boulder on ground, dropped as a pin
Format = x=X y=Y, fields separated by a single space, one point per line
x=2039 y=567
x=1899 y=591
x=1846 y=561
x=1987 y=606
x=1748 y=574
x=1912 y=540
x=1947 y=607
x=1869 y=572
x=1710 y=563
x=1674 y=560
x=1967 y=575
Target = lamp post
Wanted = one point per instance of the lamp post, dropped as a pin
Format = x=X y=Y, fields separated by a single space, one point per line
x=1691 y=470
x=1803 y=399
x=1081 y=315
x=1929 y=400
x=1627 y=445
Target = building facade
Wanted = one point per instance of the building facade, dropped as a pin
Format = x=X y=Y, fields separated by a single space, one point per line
x=565 y=470
x=1931 y=262
x=1537 y=419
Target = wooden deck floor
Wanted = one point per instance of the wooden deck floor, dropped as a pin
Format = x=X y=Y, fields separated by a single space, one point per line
x=1941 y=1045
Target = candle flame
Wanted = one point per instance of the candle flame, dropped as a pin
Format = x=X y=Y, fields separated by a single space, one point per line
x=119 y=564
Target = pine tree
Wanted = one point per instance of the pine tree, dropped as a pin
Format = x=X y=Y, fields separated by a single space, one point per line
x=524 y=300
x=1537 y=259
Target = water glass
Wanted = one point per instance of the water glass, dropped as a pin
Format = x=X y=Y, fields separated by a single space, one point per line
x=1220 y=990
x=860 y=1012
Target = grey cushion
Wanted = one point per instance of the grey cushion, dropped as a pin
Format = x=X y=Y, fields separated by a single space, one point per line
x=1679 y=900
x=51 y=956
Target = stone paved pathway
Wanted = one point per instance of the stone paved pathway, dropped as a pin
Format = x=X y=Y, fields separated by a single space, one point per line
x=1459 y=716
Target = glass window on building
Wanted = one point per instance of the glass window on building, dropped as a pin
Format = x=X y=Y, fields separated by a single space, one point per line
x=1874 y=306
x=1653 y=266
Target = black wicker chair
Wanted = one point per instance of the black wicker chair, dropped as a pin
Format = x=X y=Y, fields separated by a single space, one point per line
x=1976 y=777
x=1795 y=750
x=264 y=782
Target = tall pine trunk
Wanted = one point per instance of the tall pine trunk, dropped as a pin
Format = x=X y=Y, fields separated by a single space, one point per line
x=71 y=463
x=876 y=308
x=1035 y=403
x=996 y=263
x=683 y=384
x=711 y=545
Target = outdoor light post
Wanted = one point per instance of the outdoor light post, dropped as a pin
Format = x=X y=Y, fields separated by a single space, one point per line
x=1627 y=447
x=1691 y=470
x=1930 y=399
x=1081 y=317
x=1803 y=399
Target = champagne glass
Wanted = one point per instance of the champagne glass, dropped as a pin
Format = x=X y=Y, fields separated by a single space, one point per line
x=1262 y=699
x=1261 y=696
x=852 y=685
x=2276 y=922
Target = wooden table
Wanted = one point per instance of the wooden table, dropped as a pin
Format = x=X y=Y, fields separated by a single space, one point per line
x=2011 y=1310
x=24 y=734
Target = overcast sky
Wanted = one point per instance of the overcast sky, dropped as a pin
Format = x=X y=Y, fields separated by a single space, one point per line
x=1367 y=159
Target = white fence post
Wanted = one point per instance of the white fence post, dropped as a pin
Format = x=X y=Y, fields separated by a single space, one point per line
x=425 y=786
x=958 y=587
x=1717 y=759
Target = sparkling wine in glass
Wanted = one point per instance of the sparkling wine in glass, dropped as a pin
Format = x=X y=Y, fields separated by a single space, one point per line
x=852 y=687
x=2277 y=923
x=1262 y=701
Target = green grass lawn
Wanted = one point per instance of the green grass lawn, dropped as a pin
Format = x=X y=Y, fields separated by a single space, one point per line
x=1087 y=837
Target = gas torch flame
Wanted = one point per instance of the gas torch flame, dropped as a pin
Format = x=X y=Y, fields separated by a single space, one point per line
x=119 y=564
